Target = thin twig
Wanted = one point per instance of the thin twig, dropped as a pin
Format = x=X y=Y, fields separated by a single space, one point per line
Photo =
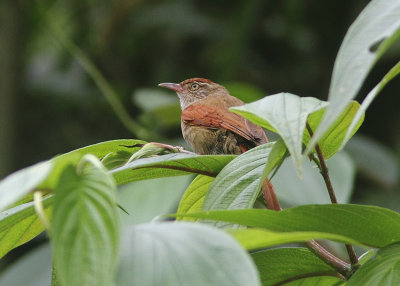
x=98 y=78
x=325 y=174
x=323 y=168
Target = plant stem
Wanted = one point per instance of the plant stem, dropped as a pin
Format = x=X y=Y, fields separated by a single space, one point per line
x=323 y=169
x=341 y=266
x=325 y=174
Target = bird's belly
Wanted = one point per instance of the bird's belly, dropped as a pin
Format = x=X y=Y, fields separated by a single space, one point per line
x=207 y=141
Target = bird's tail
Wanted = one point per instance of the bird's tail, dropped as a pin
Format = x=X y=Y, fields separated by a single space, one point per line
x=269 y=195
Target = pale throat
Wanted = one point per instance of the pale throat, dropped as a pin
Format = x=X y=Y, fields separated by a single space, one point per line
x=186 y=101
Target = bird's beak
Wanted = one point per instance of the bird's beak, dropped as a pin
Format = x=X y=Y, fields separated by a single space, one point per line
x=173 y=86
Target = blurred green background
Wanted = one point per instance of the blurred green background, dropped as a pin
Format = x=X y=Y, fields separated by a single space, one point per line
x=50 y=105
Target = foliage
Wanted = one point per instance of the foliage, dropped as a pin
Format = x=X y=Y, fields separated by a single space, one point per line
x=74 y=195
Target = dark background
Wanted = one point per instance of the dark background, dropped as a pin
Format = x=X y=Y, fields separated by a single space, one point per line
x=49 y=105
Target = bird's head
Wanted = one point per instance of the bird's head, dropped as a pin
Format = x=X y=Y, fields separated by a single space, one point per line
x=192 y=90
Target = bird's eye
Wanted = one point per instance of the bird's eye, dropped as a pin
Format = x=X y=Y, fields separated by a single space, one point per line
x=194 y=86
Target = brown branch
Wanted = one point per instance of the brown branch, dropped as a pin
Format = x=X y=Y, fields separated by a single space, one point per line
x=341 y=266
x=323 y=168
x=325 y=174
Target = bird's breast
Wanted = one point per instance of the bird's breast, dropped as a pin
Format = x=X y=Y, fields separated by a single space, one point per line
x=210 y=141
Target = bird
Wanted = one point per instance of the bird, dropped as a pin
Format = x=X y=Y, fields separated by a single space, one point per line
x=211 y=129
x=206 y=122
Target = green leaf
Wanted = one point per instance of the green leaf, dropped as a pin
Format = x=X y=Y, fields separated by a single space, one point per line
x=171 y=165
x=279 y=115
x=293 y=191
x=153 y=149
x=371 y=34
x=257 y=238
x=320 y=281
x=193 y=199
x=285 y=114
x=284 y=264
x=147 y=199
x=116 y=159
x=181 y=253
x=275 y=158
x=374 y=160
x=333 y=139
x=100 y=150
x=383 y=269
x=17 y=185
x=238 y=184
x=366 y=256
x=85 y=227
x=20 y=224
x=369 y=225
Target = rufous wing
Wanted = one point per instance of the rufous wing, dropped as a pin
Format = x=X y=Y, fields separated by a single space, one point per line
x=214 y=117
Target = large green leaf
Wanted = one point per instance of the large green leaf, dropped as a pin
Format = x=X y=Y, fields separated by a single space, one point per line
x=317 y=281
x=181 y=253
x=284 y=264
x=20 y=224
x=383 y=269
x=45 y=175
x=374 y=30
x=333 y=139
x=238 y=184
x=285 y=114
x=193 y=199
x=176 y=164
x=17 y=185
x=85 y=227
x=100 y=150
x=278 y=113
x=369 y=225
x=147 y=199
x=312 y=189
